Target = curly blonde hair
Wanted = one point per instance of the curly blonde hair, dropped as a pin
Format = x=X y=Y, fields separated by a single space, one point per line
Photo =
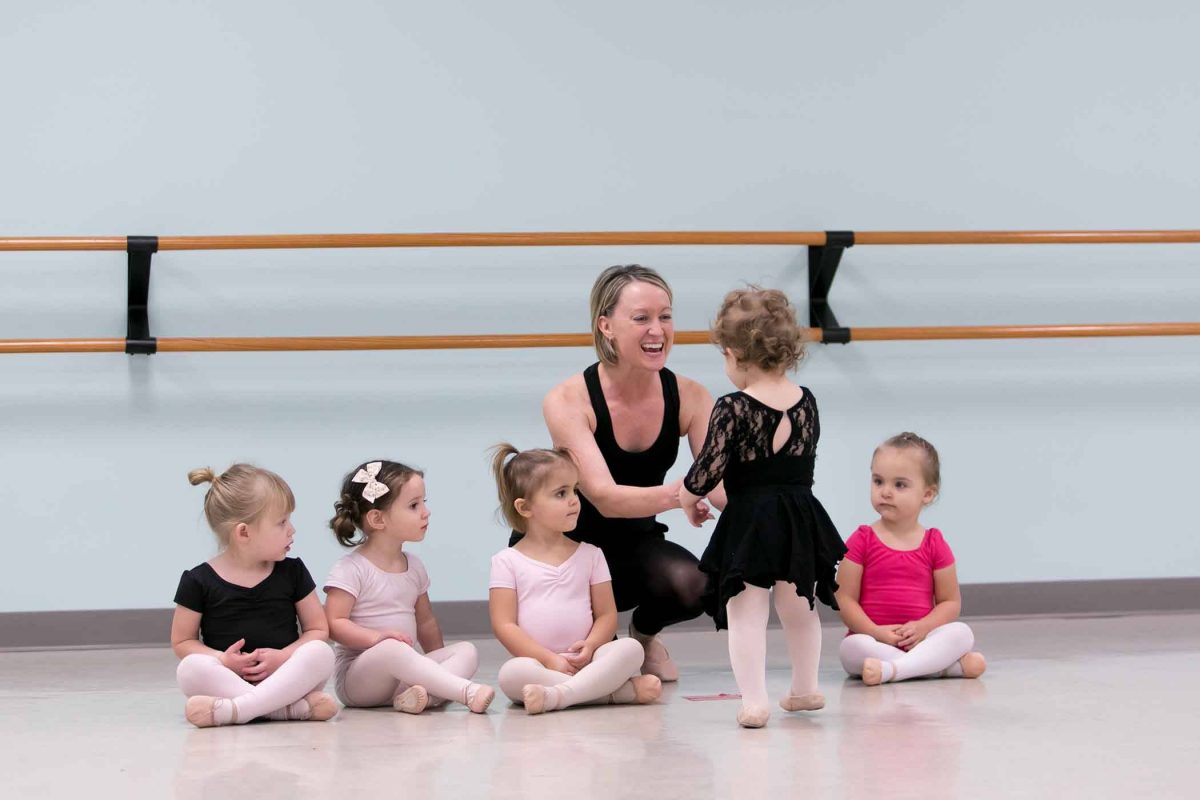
x=759 y=326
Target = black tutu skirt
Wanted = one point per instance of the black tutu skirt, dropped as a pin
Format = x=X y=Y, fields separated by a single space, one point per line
x=770 y=533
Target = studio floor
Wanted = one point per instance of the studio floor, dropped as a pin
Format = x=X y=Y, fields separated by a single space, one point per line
x=1070 y=708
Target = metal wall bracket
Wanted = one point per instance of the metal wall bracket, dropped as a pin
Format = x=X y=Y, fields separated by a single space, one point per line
x=823 y=261
x=138 y=340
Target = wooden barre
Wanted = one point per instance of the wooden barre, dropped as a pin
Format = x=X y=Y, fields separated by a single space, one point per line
x=598 y=238
x=484 y=341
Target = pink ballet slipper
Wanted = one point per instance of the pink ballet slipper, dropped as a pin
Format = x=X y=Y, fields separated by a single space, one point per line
x=973 y=665
x=536 y=699
x=412 y=700
x=479 y=697
x=320 y=706
x=753 y=717
x=658 y=661
x=872 y=671
x=199 y=711
x=802 y=702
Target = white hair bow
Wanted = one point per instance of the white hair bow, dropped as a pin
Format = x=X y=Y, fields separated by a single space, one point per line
x=373 y=489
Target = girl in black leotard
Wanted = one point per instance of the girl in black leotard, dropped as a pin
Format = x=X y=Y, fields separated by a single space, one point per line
x=622 y=419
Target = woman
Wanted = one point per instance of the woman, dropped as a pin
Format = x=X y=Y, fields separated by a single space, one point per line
x=622 y=418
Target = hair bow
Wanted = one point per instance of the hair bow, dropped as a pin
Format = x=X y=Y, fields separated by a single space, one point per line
x=373 y=489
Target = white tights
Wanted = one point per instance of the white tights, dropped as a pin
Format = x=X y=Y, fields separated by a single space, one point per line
x=276 y=697
x=936 y=656
x=604 y=680
x=748 y=612
x=391 y=666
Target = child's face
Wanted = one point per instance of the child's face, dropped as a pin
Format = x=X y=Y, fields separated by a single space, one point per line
x=898 y=488
x=555 y=505
x=407 y=518
x=270 y=536
x=641 y=326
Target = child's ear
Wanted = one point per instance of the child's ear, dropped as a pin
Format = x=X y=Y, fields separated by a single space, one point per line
x=522 y=507
x=931 y=493
x=374 y=519
x=240 y=531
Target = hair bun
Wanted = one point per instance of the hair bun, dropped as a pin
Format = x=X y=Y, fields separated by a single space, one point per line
x=202 y=475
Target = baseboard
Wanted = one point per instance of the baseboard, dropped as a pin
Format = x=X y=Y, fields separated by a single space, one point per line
x=150 y=627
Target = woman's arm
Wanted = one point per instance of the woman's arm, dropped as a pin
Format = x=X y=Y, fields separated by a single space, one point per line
x=849 y=578
x=429 y=632
x=564 y=409
x=947 y=606
x=338 y=605
x=502 y=608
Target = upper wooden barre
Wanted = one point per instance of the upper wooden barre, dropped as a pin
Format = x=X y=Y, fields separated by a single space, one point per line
x=598 y=238
x=484 y=341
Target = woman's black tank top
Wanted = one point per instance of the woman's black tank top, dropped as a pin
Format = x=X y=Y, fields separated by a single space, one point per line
x=647 y=468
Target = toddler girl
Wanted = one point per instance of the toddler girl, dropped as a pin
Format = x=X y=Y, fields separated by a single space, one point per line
x=377 y=601
x=899 y=589
x=234 y=627
x=551 y=598
x=762 y=440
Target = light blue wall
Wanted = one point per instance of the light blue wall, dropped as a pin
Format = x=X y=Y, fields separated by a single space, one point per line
x=1063 y=460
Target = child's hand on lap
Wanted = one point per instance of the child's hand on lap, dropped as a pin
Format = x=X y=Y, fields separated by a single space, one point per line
x=580 y=654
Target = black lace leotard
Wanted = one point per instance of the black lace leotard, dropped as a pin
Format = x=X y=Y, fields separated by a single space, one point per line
x=772 y=529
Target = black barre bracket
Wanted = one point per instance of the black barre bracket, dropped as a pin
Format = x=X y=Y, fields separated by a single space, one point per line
x=138 y=340
x=823 y=261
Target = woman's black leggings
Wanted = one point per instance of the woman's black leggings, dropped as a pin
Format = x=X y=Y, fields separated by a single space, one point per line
x=660 y=579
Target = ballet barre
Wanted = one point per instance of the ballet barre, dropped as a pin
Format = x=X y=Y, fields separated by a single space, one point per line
x=825 y=251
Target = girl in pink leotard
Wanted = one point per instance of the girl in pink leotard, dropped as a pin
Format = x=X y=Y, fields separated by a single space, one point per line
x=551 y=598
x=898 y=586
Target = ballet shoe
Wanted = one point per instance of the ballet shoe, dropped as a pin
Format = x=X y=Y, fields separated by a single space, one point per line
x=479 y=697
x=753 y=717
x=199 y=711
x=646 y=688
x=973 y=665
x=320 y=706
x=803 y=702
x=533 y=697
x=872 y=672
x=658 y=661
x=411 y=701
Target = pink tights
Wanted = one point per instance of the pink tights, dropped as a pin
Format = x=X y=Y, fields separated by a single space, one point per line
x=748 y=612
x=391 y=666
x=279 y=696
x=936 y=656
x=602 y=681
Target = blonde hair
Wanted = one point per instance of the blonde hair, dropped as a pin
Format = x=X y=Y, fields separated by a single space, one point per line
x=931 y=467
x=350 y=508
x=522 y=475
x=606 y=293
x=759 y=326
x=242 y=493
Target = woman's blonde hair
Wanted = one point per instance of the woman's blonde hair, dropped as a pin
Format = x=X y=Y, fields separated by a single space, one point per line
x=606 y=293
x=759 y=326
x=242 y=493
x=522 y=475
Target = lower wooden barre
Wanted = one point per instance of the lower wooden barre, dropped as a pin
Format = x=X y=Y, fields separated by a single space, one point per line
x=527 y=340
